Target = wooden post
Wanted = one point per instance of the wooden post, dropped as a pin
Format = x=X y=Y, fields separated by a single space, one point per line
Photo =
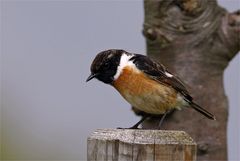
x=140 y=145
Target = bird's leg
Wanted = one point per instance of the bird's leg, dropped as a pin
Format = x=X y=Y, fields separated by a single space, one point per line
x=137 y=124
x=162 y=118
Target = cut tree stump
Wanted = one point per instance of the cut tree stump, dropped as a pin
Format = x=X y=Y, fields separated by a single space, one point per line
x=140 y=145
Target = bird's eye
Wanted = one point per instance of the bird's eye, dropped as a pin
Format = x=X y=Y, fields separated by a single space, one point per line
x=106 y=65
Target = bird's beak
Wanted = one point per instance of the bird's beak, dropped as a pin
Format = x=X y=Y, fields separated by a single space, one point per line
x=91 y=77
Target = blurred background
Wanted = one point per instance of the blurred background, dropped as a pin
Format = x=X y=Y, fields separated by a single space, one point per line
x=47 y=109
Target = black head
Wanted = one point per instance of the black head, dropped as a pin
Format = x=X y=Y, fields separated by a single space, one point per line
x=105 y=65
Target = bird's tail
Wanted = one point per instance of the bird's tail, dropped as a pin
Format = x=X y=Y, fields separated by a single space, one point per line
x=202 y=111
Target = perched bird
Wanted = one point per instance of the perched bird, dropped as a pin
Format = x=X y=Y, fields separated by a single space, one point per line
x=146 y=84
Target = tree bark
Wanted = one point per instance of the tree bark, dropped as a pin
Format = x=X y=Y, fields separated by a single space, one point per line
x=195 y=39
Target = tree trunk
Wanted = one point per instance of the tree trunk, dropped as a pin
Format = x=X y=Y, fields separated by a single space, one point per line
x=195 y=39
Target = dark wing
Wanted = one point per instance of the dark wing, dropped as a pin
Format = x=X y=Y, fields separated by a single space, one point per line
x=158 y=72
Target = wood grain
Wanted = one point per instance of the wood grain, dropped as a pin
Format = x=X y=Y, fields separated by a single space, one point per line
x=140 y=145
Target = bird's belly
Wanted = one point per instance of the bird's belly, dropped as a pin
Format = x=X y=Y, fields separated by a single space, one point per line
x=145 y=94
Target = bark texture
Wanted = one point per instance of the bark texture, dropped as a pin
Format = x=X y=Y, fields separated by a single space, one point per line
x=195 y=39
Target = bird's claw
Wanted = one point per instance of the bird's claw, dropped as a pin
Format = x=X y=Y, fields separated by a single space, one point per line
x=133 y=127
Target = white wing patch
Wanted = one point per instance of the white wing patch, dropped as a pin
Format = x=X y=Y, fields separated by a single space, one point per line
x=124 y=61
x=168 y=74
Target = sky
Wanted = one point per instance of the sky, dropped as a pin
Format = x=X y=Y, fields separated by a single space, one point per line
x=47 y=109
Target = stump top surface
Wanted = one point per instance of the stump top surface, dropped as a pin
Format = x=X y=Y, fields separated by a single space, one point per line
x=143 y=136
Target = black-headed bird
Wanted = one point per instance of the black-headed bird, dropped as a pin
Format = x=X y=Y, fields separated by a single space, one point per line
x=146 y=84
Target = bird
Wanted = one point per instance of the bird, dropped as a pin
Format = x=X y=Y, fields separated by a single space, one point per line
x=146 y=84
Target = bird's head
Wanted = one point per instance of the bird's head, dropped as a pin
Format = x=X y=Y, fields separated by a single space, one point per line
x=105 y=65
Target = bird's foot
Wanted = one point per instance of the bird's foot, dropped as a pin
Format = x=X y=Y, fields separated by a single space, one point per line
x=133 y=127
x=136 y=125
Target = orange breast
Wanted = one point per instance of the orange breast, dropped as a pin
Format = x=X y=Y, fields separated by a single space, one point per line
x=143 y=93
